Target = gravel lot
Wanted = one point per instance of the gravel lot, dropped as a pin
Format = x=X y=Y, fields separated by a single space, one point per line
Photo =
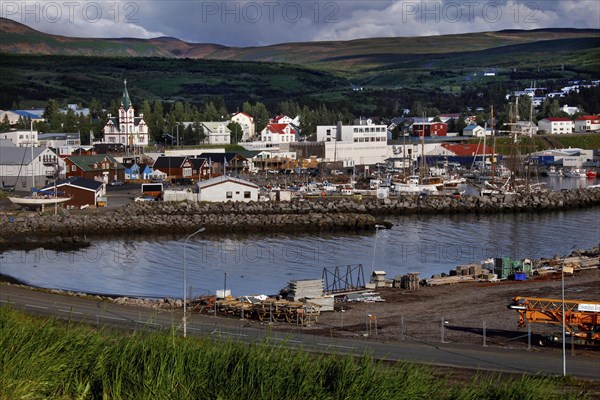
x=464 y=306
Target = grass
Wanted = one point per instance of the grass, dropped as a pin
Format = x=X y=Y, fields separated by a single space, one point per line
x=42 y=358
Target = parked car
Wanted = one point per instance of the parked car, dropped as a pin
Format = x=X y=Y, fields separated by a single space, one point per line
x=116 y=182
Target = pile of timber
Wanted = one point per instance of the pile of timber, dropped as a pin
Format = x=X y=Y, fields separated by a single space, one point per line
x=409 y=281
x=304 y=289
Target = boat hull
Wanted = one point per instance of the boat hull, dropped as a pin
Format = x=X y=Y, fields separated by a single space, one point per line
x=36 y=202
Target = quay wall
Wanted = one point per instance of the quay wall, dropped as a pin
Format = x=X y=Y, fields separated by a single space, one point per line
x=68 y=228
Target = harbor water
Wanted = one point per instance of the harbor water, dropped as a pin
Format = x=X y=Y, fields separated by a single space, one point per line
x=259 y=264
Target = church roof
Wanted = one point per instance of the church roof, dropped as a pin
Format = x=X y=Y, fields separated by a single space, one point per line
x=125 y=101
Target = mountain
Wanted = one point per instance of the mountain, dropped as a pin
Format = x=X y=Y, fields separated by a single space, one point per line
x=346 y=56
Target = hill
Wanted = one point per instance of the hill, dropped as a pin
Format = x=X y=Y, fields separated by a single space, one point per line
x=353 y=55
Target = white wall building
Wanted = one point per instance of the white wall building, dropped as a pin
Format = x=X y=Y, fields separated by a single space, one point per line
x=226 y=188
x=216 y=132
x=476 y=131
x=279 y=133
x=22 y=166
x=363 y=144
x=21 y=137
x=127 y=129
x=247 y=123
x=587 y=123
x=556 y=126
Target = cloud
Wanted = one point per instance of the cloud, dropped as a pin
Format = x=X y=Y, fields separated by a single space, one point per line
x=261 y=22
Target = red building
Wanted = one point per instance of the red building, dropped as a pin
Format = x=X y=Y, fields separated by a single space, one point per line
x=102 y=167
x=430 y=129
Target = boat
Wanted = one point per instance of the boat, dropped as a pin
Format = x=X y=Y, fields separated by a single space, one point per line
x=37 y=201
x=590 y=173
x=552 y=171
x=575 y=173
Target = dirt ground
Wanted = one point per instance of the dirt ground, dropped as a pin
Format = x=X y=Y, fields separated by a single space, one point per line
x=463 y=309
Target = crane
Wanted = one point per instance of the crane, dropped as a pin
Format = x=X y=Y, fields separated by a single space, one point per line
x=582 y=317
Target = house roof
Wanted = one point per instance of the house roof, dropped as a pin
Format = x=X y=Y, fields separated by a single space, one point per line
x=198 y=162
x=588 y=117
x=557 y=119
x=19 y=155
x=244 y=114
x=466 y=150
x=83 y=183
x=224 y=179
x=125 y=100
x=7 y=143
x=280 y=128
x=169 y=162
x=472 y=127
x=214 y=126
x=86 y=163
x=220 y=157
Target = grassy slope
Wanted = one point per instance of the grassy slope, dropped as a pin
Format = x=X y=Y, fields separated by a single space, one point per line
x=41 y=358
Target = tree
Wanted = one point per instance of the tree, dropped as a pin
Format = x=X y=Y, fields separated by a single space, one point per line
x=5 y=125
x=236 y=132
x=53 y=115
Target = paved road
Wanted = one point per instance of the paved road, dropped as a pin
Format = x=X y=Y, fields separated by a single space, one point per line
x=461 y=356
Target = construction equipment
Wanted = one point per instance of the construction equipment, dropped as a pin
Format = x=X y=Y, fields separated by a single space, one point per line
x=582 y=318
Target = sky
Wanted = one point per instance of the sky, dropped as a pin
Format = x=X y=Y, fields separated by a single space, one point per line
x=245 y=23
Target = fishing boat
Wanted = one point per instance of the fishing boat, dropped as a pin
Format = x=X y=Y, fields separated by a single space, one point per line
x=575 y=173
x=590 y=173
x=554 y=172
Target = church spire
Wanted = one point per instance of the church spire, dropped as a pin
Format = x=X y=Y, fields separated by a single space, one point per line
x=125 y=101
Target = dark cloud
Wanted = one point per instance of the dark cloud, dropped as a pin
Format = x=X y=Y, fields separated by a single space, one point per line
x=251 y=23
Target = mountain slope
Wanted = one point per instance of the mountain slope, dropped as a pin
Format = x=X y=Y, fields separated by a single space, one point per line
x=333 y=55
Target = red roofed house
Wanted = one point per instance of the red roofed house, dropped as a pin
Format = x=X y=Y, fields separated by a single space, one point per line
x=464 y=150
x=587 y=123
x=429 y=129
x=279 y=133
x=555 y=126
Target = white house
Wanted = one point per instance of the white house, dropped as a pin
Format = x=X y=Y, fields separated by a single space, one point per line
x=216 y=132
x=476 y=131
x=226 y=188
x=127 y=129
x=279 y=133
x=284 y=119
x=587 y=123
x=570 y=110
x=247 y=123
x=23 y=166
x=362 y=144
x=21 y=137
x=526 y=128
x=556 y=126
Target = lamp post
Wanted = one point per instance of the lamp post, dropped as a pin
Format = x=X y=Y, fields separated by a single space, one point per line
x=185 y=282
x=564 y=344
x=377 y=227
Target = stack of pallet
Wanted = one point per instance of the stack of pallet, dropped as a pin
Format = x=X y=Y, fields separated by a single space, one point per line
x=307 y=288
x=410 y=281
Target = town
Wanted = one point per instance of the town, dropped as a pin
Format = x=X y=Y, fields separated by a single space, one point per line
x=249 y=156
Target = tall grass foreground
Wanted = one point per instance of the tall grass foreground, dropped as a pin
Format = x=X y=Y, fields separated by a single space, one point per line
x=49 y=359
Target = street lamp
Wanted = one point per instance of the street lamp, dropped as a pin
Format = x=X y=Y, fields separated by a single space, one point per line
x=185 y=283
x=377 y=228
x=564 y=344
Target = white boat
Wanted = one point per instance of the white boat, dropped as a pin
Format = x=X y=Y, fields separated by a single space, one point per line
x=575 y=173
x=552 y=171
x=37 y=201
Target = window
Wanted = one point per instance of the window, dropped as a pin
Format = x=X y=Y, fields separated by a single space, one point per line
x=73 y=168
x=247 y=195
x=229 y=195
x=237 y=192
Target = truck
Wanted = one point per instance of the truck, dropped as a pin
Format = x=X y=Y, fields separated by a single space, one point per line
x=152 y=191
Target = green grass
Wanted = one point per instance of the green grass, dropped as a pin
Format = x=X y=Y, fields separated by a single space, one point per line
x=42 y=358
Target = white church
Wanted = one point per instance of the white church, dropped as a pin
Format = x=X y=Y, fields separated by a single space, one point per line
x=127 y=129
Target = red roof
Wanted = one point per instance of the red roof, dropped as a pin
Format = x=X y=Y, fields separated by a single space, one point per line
x=557 y=119
x=280 y=128
x=586 y=117
x=466 y=150
x=243 y=113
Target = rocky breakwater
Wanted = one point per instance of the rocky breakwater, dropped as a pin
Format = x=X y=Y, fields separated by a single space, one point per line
x=340 y=214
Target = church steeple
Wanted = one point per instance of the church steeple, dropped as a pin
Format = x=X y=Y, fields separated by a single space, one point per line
x=125 y=101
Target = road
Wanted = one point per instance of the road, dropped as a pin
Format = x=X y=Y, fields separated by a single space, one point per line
x=104 y=313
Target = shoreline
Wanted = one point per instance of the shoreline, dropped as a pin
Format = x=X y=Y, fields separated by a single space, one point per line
x=72 y=230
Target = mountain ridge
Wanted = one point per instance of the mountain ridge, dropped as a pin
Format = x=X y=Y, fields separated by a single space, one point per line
x=334 y=55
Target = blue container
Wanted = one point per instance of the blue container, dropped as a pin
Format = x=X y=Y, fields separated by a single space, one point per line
x=520 y=277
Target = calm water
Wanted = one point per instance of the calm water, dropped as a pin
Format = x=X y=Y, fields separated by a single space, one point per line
x=153 y=267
